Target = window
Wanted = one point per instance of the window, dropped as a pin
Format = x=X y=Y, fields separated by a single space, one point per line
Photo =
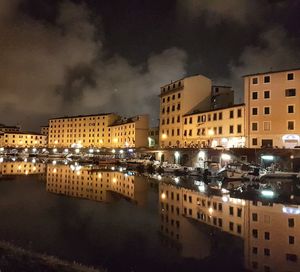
x=266 y=110
x=254 y=126
x=291 y=240
x=291 y=125
x=255 y=80
x=291 y=109
x=220 y=130
x=220 y=116
x=254 y=141
x=231 y=114
x=290 y=76
x=255 y=233
x=291 y=222
x=231 y=210
x=239 y=212
x=254 y=95
x=239 y=113
x=254 y=111
x=266 y=251
x=290 y=92
x=267 y=235
x=254 y=250
x=231 y=226
x=291 y=257
x=266 y=94
x=191 y=120
x=215 y=117
x=267 y=79
x=267 y=125
x=254 y=265
x=231 y=129
x=239 y=229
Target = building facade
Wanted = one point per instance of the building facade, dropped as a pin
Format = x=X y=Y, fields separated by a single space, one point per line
x=4 y=128
x=45 y=130
x=130 y=132
x=272 y=109
x=81 y=131
x=100 y=130
x=222 y=127
x=23 y=140
x=179 y=98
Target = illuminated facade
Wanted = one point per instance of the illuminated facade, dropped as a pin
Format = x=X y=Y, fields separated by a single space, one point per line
x=130 y=132
x=23 y=139
x=272 y=108
x=177 y=99
x=222 y=127
x=98 y=186
x=102 y=130
x=22 y=168
x=4 y=128
x=45 y=130
x=81 y=131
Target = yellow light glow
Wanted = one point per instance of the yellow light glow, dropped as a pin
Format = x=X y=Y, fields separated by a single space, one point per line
x=78 y=173
x=54 y=170
x=210 y=210
x=26 y=172
x=101 y=141
x=99 y=175
x=211 y=132
x=114 y=180
x=163 y=196
x=19 y=167
x=115 y=140
x=164 y=136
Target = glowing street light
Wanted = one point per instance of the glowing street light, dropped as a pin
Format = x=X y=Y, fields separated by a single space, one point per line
x=225 y=157
x=164 y=136
x=163 y=196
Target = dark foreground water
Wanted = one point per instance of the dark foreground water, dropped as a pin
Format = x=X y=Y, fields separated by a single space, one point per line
x=130 y=223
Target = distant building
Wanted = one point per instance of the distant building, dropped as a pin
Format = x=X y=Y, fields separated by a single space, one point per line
x=22 y=168
x=23 y=139
x=222 y=97
x=4 y=128
x=153 y=137
x=45 y=130
x=98 y=130
x=272 y=108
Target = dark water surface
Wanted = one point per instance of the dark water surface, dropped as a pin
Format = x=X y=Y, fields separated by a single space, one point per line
x=131 y=223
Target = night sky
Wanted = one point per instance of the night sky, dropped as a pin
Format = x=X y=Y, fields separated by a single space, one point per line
x=79 y=57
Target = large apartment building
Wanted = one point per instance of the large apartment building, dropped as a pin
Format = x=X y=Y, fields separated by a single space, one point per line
x=272 y=108
x=179 y=98
x=222 y=127
x=23 y=139
x=99 y=130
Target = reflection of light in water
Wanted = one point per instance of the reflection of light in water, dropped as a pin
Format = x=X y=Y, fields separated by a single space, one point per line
x=210 y=210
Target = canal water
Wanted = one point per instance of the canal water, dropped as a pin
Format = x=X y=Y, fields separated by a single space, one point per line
x=122 y=221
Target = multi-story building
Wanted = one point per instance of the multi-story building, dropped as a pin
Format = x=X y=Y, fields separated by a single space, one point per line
x=100 y=130
x=81 y=130
x=98 y=186
x=45 y=130
x=130 y=132
x=272 y=108
x=23 y=139
x=222 y=127
x=4 y=128
x=179 y=98
x=221 y=97
x=22 y=168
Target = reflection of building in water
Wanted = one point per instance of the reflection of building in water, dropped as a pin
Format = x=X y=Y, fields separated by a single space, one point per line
x=21 y=168
x=99 y=186
x=270 y=232
x=272 y=241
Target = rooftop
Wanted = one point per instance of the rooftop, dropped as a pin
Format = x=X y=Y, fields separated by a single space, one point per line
x=205 y=111
x=24 y=133
x=80 y=116
x=272 y=72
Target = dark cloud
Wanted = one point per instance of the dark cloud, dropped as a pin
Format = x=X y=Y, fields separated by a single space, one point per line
x=77 y=57
x=61 y=68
